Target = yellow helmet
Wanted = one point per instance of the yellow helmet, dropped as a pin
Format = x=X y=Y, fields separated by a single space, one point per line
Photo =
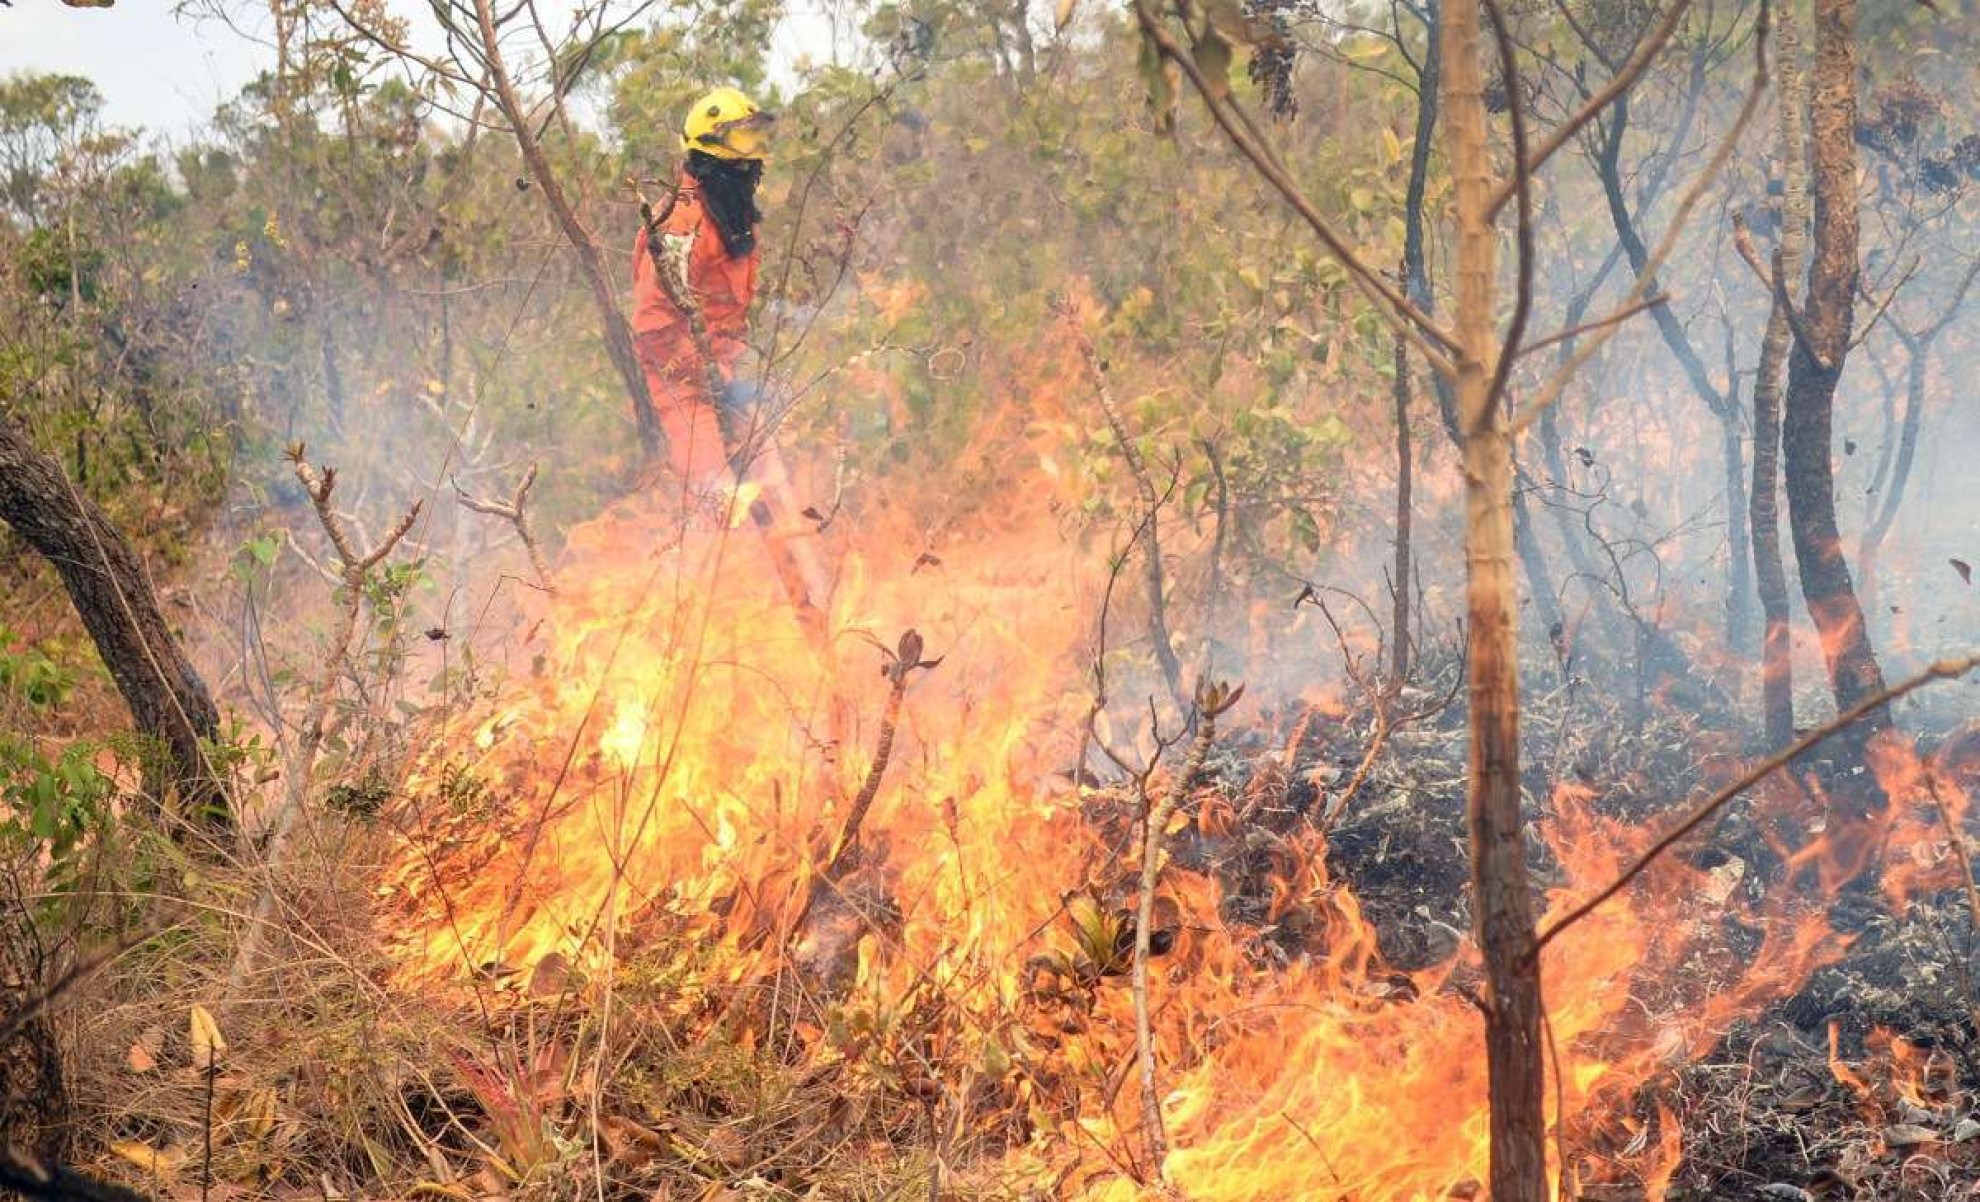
x=727 y=124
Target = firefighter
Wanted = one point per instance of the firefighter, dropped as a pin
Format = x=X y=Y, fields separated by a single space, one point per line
x=708 y=247
x=708 y=236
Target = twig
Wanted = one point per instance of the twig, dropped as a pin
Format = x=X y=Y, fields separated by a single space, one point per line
x=1624 y=79
x=513 y=512
x=1211 y=701
x=211 y=1072
x=1882 y=305
x=903 y=662
x=1151 y=502
x=674 y=282
x=1945 y=669
x=1620 y=315
x=1551 y=390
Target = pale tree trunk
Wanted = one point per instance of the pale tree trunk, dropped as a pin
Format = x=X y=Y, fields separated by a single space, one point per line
x=113 y=595
x=1776 y=646
x=1815 y=365
x=1501 y=898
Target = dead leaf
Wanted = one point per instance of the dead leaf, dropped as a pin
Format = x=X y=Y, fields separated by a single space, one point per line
x=157 y=1162
x=143 y=1056
x=1964 y=569
x=1910 y=1135
x=208 y=1045
x=551 y=975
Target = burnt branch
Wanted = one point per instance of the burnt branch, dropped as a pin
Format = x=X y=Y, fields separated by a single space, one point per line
x=1945 y=669
x=1212 y=700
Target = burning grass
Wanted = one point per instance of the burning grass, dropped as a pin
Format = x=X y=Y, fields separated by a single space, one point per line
x=614 y=964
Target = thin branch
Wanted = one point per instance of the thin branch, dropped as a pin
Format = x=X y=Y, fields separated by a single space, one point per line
x=1883 y=305
x=1604 y=330
x=1211 y=701
x=514 y=512
x=1618 y=84
x=1620 y=315
x=1945 y=669
x=1523 y=236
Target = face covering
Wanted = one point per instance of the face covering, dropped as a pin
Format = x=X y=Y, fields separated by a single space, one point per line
x=728 y=189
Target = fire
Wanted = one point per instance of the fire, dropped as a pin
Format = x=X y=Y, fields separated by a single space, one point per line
x=684 y=750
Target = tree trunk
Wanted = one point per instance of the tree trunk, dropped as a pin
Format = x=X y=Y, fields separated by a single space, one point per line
x=1776 y=645
x=113 y=595
x=1416 y=284
x=1501 y=897
x=1608 y=164
x=1399 y=582
x=1815 y=365
x=1816 y=361
x=1739 y=549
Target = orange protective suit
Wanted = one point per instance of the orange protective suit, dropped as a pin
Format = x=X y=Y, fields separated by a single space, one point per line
x=723 y=287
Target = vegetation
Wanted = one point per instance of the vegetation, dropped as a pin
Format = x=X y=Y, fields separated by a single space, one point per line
x=407 y=789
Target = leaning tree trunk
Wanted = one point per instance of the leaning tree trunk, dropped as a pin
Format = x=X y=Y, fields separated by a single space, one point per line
x=1814 y=366
x=1501 y=896
x=113 y=594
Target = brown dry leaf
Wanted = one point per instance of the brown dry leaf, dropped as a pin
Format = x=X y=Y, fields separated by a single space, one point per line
x=725 y=1145
x=628 y=1144
x=246 y=1116
x=157 y=1162
x=143 y=1056
x=551 y=975
x=208 y=1045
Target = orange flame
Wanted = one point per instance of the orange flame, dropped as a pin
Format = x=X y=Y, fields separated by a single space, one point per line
x=681 y=754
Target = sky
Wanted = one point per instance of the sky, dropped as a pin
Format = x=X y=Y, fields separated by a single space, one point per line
x=167 y=73
x=155 y=70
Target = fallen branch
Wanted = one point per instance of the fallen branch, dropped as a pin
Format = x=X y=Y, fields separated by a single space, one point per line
x=1211 y=701
x=1945 y=669
x=513 y=512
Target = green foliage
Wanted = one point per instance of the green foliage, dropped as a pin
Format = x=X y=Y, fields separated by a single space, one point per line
x=49 y=798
